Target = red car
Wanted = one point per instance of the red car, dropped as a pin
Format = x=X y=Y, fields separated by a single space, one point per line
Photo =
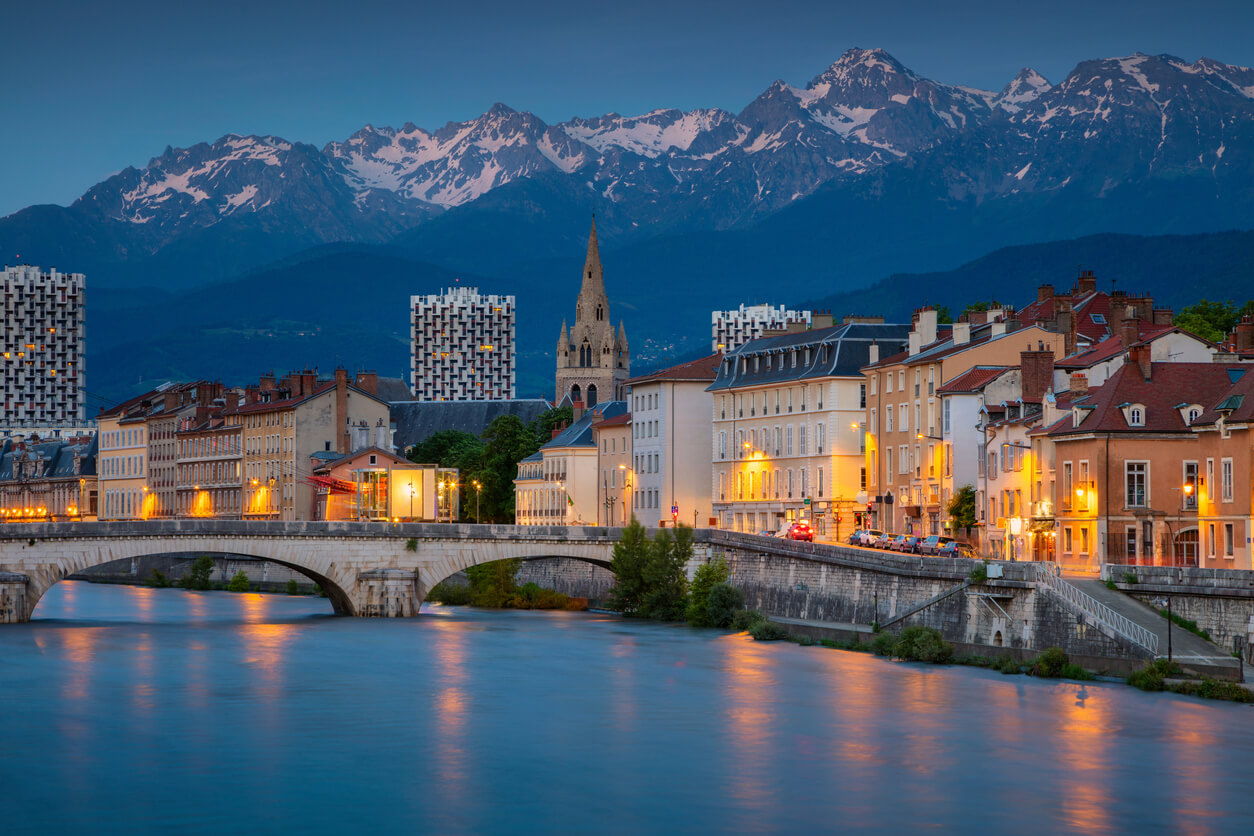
x=801 y=531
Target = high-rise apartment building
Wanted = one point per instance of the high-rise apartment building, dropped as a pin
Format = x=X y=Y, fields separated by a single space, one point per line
x=42 y=351
x=462 y=346
x=731 y=329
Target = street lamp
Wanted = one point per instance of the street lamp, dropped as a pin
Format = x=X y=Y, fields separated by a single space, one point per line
x=411 y=498
x=478 y=496
x=627 y=471
x=1166 y=602
x=561 y=488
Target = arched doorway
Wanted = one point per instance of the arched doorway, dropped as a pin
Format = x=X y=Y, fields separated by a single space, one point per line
x=592 y=395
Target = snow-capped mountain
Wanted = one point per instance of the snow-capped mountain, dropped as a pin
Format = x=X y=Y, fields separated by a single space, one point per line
x=866 y=127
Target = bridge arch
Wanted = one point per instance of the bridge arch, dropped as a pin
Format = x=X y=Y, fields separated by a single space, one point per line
x=431 y=581
x=374 y=569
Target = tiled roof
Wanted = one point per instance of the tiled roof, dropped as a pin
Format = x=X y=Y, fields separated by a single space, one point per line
x=838 y=351
x=973 y=380
x=1239 y=398
x=704 y=369
x=56 y=455
x=579 y=434
x=1112 y=347
x=1170 y=385
x=617 y=421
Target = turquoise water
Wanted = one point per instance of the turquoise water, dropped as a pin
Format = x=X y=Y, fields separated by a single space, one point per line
x=127 y=710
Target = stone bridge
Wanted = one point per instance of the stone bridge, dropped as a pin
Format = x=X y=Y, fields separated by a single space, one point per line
x=366 y=568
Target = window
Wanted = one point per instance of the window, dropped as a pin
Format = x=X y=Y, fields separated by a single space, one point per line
x=1228 y=539
x=1136 y=478
x=819 y=432
x=1082 y=500
x=1211 y=539
x=888 y=418
x=903 y=416
x=1066 y=539
x=873 y=424
x=1190 y=479
x=1225 y=469
x=862 y=394
x=1136 y=416
x=1084 y=540
x=801 y=440
x=788 y=440
x=1130 y=551
x=888 y=463
x=888 y=383
x=945 y=413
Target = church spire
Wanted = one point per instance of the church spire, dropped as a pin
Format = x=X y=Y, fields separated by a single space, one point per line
x=593 y=287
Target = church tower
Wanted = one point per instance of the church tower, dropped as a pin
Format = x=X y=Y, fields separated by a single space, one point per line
x=593 y=361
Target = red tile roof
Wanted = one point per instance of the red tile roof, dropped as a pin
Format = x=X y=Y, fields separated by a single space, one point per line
x=705 y=369
x=973 y=380
x=618 y=420
x=1112 y=347
x=1170 y=385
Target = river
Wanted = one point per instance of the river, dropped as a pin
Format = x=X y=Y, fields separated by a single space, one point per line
x=130 y=710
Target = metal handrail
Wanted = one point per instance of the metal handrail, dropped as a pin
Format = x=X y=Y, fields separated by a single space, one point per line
x=1050 y=576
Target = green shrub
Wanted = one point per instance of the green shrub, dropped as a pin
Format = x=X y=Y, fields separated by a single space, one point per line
x=293 y=588
x=923 y=644
x=1110 y=584
x=829 y=643
x=804 y=641
x=722 y=604
x=979 y=574
x=1050 y=664
x=1152 y=676
x=704 y=580
x=884 y=644
x=319 y=591
x=198 y=576
x=1008 y=665
x=450 y=594
x=767 y=631
x=158 y=579
x=1130 y=578
x=742 y=620
x=411 y=545
x=239 y=582
x=1188 y=624
x=1212 y=689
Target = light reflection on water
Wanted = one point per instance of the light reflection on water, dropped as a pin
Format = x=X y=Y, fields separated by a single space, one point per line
x=128 y=710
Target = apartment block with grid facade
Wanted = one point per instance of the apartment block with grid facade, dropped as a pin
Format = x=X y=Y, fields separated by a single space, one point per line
x=42 y=350
x=729 y=330
x=462 y=346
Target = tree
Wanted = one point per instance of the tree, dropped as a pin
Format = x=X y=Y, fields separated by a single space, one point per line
x=665 y=585
x=447 y=448
x=507 y=441
x=158 y=579
x=703 y=580
x=1212 y=320
x=630 y=556
x=723 y=602
x=493 y=584
x=239 y=582
x=944 y=315
x=544 y=425
x=961 y=508
x=981 y=306
x=198 y=576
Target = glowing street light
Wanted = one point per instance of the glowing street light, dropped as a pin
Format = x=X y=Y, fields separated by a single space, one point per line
x=478 y=496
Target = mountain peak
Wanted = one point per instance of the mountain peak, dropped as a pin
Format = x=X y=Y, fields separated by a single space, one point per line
x=1027 y=86
x=861 y=63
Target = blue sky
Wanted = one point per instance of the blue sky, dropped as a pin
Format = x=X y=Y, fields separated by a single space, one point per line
x=88 y=89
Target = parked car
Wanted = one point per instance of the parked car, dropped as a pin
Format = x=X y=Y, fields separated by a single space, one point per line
x=766 y=532
x=955 y=549
x=932 y=544
x=855 y=539
x=884 y=540
x=801 y=530
x=908 y=543
x=866 y=536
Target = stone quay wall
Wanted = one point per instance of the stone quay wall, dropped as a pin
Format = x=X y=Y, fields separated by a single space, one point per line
x=1221 y=601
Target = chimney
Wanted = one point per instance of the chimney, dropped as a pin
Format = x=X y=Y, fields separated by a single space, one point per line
x=976 y=317
x=1044 y=293
x=1162 y=316
x=1087 y=283
x=1129 y=329
x=308 y=381
x=292 y=383
x=1079 y=384
x=1140 y=355
x=1243 y=339
x=341 y=411
x=266 y=383
x=577 y=410
x=1036 y=369
x=368 y=382
x=873 y=354
x=962 y=333
x=925 y=326
x=996 y=330
x=381 y=436
x=171 y=401
x=914 y=343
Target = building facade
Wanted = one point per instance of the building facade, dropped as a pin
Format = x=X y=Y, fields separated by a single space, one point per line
x=613 y=440
x=670 y=443
x=462 y=346
x=43 y=352
x=729 y=330
x=593 y=361
x=47 y=480
x=209 y=467
x=788 y=434
x=561 y=484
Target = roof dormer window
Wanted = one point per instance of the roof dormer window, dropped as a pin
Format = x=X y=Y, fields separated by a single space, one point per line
x=1133 y=414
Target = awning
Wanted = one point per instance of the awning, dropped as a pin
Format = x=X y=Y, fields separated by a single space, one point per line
x=1038 y=526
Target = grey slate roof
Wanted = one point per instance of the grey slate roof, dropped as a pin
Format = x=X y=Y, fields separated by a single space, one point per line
x=838 y=351
x=416 y=421
x=579 y=433
x=393 y=389
x=57 y=456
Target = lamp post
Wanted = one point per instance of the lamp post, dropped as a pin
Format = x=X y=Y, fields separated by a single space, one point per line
x=561 y=489
x=1166 y=602
x=411 y=498
x=627 y=471
x=478 y=496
